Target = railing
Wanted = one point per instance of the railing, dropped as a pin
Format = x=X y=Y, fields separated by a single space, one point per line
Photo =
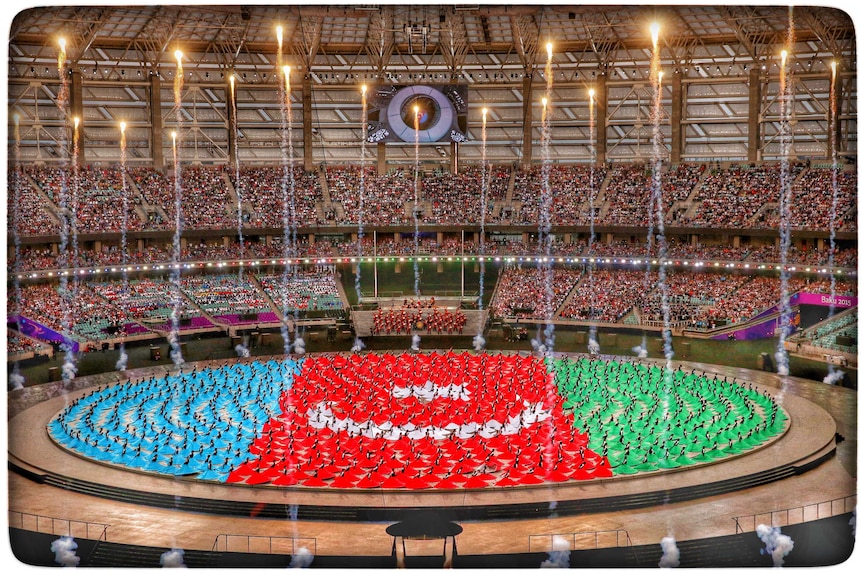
x=707 y=263
x=672 y=324
x=579 y=541
x=795 y=515
x=263 y=544
x=58 y=526
x=396 y=298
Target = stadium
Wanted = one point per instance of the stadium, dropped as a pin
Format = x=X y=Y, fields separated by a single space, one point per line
x=432 y=286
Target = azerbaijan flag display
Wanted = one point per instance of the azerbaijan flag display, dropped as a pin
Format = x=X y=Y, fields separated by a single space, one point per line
x=447 y=420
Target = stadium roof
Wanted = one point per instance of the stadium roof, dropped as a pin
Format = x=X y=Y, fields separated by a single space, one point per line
x=222 y=34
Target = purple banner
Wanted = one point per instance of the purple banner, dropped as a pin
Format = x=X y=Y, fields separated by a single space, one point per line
x=842 y=301
x=41 y=332
x=235 y=318
x=762 y=330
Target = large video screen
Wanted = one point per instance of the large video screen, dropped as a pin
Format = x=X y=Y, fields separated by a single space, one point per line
x=442 y=113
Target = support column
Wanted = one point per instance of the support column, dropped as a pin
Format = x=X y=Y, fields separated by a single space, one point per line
x=381 y=158
x=155 y=97
x=76 y=107
x=527 y=124
x=448 y=550
x=601 y=119
x=307 y=115
x=400 y=553
x=454 y=160
x=754 y=95
x=677 y=132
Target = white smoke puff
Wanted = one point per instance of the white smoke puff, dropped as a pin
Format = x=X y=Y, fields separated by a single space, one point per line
x=549 y=341
x=358 y=345
x=177 y=357
x=560 y=543
x=593 y=346
x=668 y=346
x=176 y=353
x=478 y=342
x=782 y=362
x=559 y=556
x=415 y=345
x=640 y=351
x=833 y=377
x=123 y=361
x=173 y=558
x=17 y=380
x=64 y=551
x=301 y=559
x=549 y=335
x=299 y=346
x=285 y=334
x=670 y=553
x=69 y=369
x=556 y=560
x=241 y=350
x=538 y=346
x=777 y=545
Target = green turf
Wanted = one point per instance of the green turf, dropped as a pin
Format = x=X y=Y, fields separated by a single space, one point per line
x=440 y=278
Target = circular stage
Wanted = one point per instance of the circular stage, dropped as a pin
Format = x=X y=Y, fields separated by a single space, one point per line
x=357 y=437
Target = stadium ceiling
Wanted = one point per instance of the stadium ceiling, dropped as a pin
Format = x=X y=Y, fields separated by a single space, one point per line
x=219 y=35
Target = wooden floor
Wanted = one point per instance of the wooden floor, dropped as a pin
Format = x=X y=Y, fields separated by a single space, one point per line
x=817 y=412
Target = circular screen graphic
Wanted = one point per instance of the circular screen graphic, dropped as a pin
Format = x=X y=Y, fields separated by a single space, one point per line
x=423 y=108
x=436 y=114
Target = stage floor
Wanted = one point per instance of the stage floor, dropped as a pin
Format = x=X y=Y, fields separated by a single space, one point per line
x=816 y=410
